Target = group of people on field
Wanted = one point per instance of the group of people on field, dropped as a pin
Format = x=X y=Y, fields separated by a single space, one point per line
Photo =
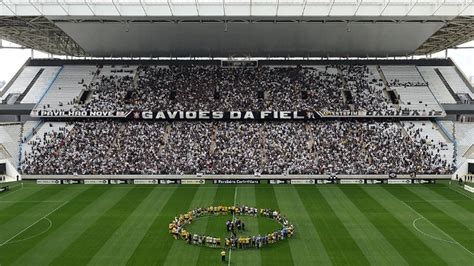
x=234 y=226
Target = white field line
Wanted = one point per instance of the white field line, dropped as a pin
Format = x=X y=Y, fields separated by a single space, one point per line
x=233 y=217
x=462 y=193
x=31 y=225
x=450 y=237
x=447 y=200
x=9 y=193
x=33 y=236
x=31 y=201
x=429 y=235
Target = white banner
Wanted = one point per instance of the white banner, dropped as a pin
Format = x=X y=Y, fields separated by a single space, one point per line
x=117 y=182
x=324 y=181
x=168 y=181
x=374 y=181
x=145 y=181
x=351 y=181
x=423 y=181
x=48 y=182
x=192 y=181
x=302 y=181
x=71 y=182
x=399 y=181
x=95 y=181
x=278 y=181
x=468 y=188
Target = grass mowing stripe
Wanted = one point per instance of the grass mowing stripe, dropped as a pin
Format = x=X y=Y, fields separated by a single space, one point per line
x=372 y=243
x=13 y=187
x=81 y=251
x=306 y=246
x=57 y=241
x=273 y=254
x=13 y=251
x=408 y=245
x=131 y=232
x=34 y=211
x=450 y=226
x=340 y=246
x=449 y=252
x=460 y=190
x=210 y=256
x=453 y=210
x=15 y=210
x=15 y=194
x=204 y=197
x=251 y=256
x=456 y=198
x=156 y=243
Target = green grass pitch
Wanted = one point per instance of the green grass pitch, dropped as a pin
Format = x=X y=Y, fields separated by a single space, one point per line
x=334 y=224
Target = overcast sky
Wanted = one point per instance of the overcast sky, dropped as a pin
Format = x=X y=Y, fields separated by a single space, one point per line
x=12 y=59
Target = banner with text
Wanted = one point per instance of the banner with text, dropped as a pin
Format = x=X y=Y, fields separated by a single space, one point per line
x=231 y=115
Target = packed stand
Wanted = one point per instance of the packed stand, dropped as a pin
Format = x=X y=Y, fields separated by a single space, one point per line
x=214 y=88
x=322 y=147
x=369 y=96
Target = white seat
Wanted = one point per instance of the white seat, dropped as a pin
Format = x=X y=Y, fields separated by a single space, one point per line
x=436 y=84
x=464 y=138
x=10 y=139
x=41 y=85
x=455 y=81
x=66 y=87
x=22 y=81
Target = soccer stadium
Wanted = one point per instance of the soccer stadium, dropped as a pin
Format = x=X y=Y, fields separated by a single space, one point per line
x=237 y=132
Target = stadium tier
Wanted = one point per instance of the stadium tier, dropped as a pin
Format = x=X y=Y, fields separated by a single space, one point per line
x=372 y=105
x=104 y=147
x=387 y=89
x=329 y=89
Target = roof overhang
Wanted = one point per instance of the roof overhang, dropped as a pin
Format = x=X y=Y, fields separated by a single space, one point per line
x=222 y=28
x=254 y=37
x=455 y=32
x=230 y=8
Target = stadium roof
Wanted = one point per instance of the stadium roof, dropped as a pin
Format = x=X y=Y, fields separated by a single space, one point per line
x=303 y=28
x=229 y=8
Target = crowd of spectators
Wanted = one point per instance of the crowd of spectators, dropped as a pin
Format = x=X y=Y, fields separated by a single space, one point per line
x=214 y=88
x=321 y=147
x=398 y=83
x=368 y=90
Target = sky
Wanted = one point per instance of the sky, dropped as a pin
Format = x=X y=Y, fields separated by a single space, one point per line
x=12 y=59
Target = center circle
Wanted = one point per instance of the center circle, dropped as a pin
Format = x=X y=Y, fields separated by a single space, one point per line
x=232 y=227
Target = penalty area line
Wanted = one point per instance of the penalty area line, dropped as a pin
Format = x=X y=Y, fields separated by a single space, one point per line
x=429 y=235
x=33 y=236
x=446 y=234
x=11 y=192
x=459 y=192
x=31 y=225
